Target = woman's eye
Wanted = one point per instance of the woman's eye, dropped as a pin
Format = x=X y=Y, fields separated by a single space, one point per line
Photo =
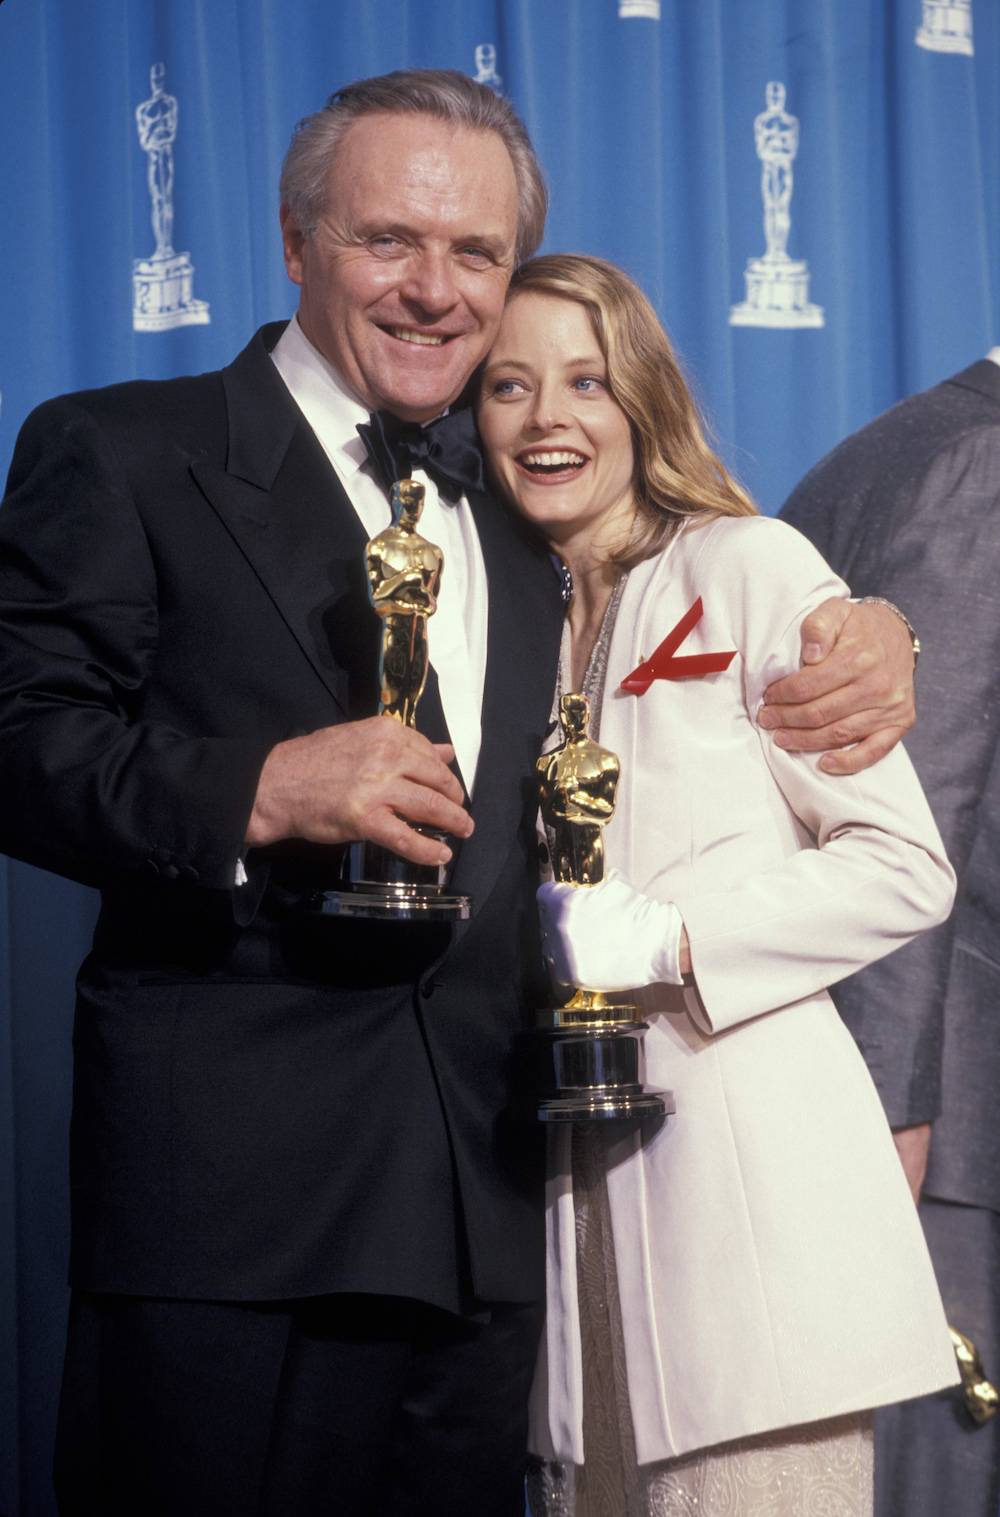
x=588 y=384
x=505 y=387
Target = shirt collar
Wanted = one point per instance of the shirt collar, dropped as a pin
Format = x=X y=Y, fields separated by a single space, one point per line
x=323 y=398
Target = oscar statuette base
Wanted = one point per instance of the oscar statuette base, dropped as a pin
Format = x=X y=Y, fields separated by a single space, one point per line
x=380 y=886
x=581 y=1064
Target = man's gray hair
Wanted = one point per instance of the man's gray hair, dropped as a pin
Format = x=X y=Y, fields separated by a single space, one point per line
x=443 y=93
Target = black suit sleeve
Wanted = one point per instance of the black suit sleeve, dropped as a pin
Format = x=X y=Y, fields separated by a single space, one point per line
x=932 y=545
x=90 y=786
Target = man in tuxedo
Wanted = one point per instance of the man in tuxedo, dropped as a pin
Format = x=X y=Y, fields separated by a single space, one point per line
x=307 y=1241
x=910 y=507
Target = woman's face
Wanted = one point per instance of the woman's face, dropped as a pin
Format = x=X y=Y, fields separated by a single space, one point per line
x=559 y=446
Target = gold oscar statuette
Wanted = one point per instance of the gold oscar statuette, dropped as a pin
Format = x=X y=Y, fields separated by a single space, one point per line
x=404 y=578
x=979 y=1394
x=403 y=572
x=582 y=1059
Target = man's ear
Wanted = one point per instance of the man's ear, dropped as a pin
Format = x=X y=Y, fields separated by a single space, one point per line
x=292 y=240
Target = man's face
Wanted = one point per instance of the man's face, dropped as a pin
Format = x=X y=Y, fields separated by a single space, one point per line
x=403 y=280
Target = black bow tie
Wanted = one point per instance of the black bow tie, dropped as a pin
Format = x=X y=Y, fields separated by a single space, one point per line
x=447 y=450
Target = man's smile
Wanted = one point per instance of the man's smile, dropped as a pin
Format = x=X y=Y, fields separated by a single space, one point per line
x=422 y=339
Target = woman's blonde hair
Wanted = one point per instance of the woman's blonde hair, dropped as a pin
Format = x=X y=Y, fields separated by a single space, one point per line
x=676 y=472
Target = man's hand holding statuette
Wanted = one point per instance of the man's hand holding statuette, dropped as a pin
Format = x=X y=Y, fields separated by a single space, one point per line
x=372 y=780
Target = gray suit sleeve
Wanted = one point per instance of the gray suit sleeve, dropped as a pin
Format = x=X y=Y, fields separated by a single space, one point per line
x=940 y=560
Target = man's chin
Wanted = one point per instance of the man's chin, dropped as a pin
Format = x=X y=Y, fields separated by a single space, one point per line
x=421 y=404
x=419 y=384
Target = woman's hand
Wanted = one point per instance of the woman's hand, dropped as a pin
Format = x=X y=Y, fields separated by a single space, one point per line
x=855 y=692
x=609 y=936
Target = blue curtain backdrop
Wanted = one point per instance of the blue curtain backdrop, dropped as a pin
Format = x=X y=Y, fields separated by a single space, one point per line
x=644 y=116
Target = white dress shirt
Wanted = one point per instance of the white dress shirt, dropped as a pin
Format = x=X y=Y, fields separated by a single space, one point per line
x=457 y=631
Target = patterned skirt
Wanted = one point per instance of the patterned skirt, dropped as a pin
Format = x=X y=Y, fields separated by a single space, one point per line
x=824 y=1469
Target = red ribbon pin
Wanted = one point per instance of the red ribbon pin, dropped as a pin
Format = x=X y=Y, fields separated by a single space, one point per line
x=663 y=665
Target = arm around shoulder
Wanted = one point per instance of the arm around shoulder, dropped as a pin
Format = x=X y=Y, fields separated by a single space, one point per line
x=876 y=873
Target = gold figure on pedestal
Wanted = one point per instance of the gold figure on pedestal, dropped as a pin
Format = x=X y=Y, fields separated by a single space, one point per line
x=582 y=1061
x=404 y=577
x=577 y=783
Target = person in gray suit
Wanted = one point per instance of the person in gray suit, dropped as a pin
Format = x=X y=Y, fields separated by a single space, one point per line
x=909 y=507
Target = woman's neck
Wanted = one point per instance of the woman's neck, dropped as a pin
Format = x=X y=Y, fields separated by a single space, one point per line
x=593 y=583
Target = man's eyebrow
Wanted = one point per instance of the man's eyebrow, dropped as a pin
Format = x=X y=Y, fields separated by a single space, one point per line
x=381 y=225
x=493 y=242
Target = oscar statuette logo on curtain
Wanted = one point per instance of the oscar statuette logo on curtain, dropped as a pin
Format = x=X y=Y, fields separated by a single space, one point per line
x=162 y=285
x=777 y=286
x=485 y=58
x=630 y=10
x=946 y=27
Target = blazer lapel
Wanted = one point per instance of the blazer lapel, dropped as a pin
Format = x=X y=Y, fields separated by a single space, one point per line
x=283 y=505
x=525 y=620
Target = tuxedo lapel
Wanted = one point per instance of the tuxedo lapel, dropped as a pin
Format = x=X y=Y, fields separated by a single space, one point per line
x=284 y=507
x=525 y=618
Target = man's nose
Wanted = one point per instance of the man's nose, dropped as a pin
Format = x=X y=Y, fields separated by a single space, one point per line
x=430 y=284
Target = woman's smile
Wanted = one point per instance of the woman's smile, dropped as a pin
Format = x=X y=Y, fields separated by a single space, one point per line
x=551 y=465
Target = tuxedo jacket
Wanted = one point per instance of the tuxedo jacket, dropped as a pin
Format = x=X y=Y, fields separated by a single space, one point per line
x=266 y=1104
x=909 y=507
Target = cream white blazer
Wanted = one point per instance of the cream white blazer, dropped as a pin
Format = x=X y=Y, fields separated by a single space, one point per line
x=771 y=1267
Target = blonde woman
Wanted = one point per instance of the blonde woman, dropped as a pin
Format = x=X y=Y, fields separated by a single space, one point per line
x=730 y=1293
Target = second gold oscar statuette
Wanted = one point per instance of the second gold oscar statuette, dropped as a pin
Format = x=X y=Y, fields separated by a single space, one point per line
x=581 y=1063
